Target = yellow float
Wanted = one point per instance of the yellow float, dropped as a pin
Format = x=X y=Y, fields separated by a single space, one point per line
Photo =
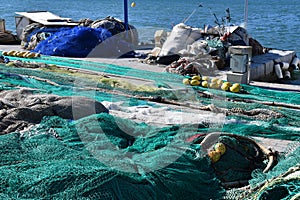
x=10 y=53
x=214 y=156
x=37 y=55
x=196 y=78
x=133 y=4
x=15 y=54
x=235 y=88
x=213 y=85
x=25 y=54
x=186 y=81
x=30 y=55
x=195 y=82
x=204 y=84
x=205 y=78
x=214 y=80
x=220 y=82
x=225 y=86
x=220 y=147
x=10 y=64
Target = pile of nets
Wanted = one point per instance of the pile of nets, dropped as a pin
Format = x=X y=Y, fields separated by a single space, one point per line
x=106 y=157
x=281 y=183
x=96 y=159
x=100 y=38
x=262 y=112
x=72 y=42
x=237 y=159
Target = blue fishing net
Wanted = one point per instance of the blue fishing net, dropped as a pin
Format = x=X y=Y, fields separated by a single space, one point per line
x=75 y=42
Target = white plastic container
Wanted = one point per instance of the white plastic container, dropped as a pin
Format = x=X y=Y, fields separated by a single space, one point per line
x=284 y=66
x=287 y=74
x=295 y=63
x=278 y=71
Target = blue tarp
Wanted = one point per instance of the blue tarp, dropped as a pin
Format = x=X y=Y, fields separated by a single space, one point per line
x=72 y=42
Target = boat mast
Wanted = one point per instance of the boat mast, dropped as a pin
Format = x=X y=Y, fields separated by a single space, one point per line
x=246 y=14
x=126 y=14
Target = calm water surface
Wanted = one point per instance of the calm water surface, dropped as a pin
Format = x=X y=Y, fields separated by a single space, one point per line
x=274 y=23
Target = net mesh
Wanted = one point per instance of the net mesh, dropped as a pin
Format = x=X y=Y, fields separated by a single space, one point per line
x=282 y=182
x=36 y=164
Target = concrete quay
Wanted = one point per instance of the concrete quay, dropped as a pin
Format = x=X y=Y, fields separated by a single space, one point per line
x=262 y=67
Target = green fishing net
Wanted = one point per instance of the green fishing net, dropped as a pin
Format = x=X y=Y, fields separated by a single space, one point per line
x=107 y=157
x=36 y=165
x=282 y=182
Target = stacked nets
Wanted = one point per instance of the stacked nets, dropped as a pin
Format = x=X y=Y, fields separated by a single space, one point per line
x=75 y=42
x=281 y=183
x=265 y=113
x=101 y=156
x=86 y=163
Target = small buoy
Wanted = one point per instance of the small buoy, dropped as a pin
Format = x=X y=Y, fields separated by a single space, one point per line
x=186 y=81
x=214 y=156
x=15 y=54
x=236 y=85
x=133 y=4
x=220 y=147
x=213 y=85
x=196 y=78
x=204 y=84
x=235 y=88
x=10 y=64
x=37 y=55
x=10 y=53
x=25 y=54
x=195 y=82
x=30 y=55
x=214 y=80
x=205 y=78
x=219 y=82
x=225 y=86
x=21 y=54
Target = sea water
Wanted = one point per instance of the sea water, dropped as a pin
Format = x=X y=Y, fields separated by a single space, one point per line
x=274 y=23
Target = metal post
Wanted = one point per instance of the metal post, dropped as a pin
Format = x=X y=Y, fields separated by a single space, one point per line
x=126 y=14
x=246 y=14
x=249 y=69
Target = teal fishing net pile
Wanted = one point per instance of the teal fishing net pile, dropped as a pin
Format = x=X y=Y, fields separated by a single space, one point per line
x=281 y=183
x=106 y=157
x=86 y=163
